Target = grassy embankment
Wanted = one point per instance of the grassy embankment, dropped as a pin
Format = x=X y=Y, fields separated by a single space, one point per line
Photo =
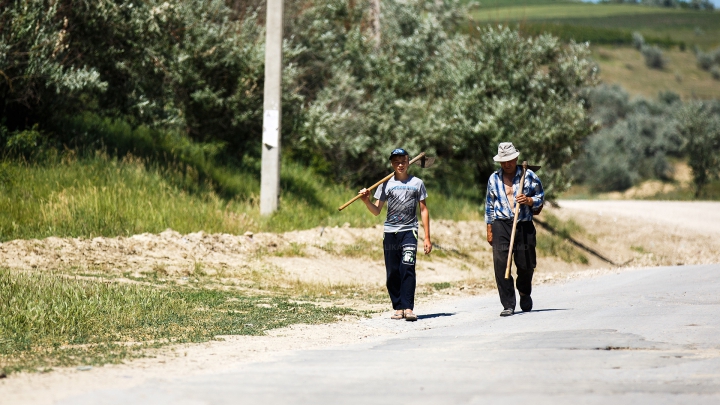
x=84 y=317
x=51 y=320
x=70 y=194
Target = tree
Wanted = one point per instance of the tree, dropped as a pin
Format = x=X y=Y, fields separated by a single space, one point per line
x=432 y=87
x=700 y=127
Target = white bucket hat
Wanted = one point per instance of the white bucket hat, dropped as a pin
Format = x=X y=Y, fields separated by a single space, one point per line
x=506 y=152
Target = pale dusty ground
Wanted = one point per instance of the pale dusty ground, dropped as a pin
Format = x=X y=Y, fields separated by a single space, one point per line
x=640 y=234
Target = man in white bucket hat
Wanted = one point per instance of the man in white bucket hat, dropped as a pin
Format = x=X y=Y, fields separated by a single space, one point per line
x=503 y=192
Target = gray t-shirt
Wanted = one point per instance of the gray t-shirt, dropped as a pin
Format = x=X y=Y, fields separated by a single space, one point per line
x=402 y=198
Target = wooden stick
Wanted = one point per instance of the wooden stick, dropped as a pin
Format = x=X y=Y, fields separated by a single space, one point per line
x=374 y=186
x=515 y=219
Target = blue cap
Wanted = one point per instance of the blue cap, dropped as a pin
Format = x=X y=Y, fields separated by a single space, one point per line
x=398 y=152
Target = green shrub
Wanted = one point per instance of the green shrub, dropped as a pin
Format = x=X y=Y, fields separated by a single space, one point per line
x=192 y=65
x=715 y=72
x=430 y=87
x=705 y=60
x=638 y=40
x=700 y=128
x=654 y=58
x=607 y=104
x=635 y=142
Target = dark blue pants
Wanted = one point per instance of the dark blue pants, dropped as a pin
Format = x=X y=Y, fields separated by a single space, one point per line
x=400 y=253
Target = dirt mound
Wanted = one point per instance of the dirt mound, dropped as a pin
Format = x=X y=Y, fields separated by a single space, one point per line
x=353 y=256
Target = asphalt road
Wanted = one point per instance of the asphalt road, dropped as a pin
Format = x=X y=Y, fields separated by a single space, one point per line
x=639 y=336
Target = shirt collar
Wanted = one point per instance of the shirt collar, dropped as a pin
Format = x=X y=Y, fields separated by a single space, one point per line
x=518 y=173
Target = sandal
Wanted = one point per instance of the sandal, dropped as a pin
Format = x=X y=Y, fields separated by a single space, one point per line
x=399 y=314
x=410 y=316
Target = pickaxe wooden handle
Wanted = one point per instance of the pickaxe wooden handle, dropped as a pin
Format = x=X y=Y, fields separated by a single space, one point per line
x=515 y=219
x=386 y=178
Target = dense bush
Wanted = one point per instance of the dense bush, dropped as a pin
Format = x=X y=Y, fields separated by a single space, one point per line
x=192 y=65
x=430 y=87
x=715 y=72
x=654 y=58
x=638 y=136
x=634 y=143
x=706 y=60
x=699 y=124
x=638 y=40
x=608 y=104
x=196 y=67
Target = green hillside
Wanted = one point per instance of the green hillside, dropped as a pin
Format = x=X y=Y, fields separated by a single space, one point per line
x=700 y=28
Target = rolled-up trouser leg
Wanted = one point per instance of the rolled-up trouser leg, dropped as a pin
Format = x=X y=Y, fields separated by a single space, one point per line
x=501 y=230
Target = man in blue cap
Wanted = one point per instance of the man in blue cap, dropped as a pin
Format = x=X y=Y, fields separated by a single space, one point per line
x=403 y=193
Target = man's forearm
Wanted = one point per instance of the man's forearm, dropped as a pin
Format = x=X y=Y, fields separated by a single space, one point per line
x=425 y=214
x=374 y=209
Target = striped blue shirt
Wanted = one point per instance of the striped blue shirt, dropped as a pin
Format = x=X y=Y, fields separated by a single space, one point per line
x=497 y=205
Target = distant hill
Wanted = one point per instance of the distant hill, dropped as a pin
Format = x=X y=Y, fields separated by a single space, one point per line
x=609 y=29
x=692 y=27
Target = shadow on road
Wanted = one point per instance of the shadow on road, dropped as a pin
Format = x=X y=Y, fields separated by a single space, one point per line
x=543 y=310
x=438 y=315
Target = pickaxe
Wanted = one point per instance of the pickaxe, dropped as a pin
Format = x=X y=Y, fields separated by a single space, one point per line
x=424 y=161
x=517 y=211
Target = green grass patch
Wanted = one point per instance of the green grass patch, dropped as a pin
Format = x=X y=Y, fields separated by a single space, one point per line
x=50 y=320
x=294 y=249
x=441 y=286
x=522 y=3
x=107 y=196
x=592 y=34
x=564 y=11
x=121 y=180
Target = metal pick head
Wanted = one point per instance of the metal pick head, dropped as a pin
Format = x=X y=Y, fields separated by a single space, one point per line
x=534 y=168
x=426 y=161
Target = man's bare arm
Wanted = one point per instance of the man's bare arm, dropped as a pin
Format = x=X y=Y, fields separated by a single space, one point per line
x=425 y=216
x=374 y=208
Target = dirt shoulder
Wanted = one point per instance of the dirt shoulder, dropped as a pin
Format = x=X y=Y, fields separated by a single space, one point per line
x=341 y=266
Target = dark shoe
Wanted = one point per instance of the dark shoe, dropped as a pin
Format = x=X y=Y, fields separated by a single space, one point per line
x=507 y=312
x=525 y=303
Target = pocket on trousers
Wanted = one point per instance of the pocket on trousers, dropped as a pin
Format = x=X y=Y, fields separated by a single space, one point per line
x=531 y=235
x=408 y=255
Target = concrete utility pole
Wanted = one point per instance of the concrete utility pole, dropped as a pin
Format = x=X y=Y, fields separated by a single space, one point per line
x=270 y=172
